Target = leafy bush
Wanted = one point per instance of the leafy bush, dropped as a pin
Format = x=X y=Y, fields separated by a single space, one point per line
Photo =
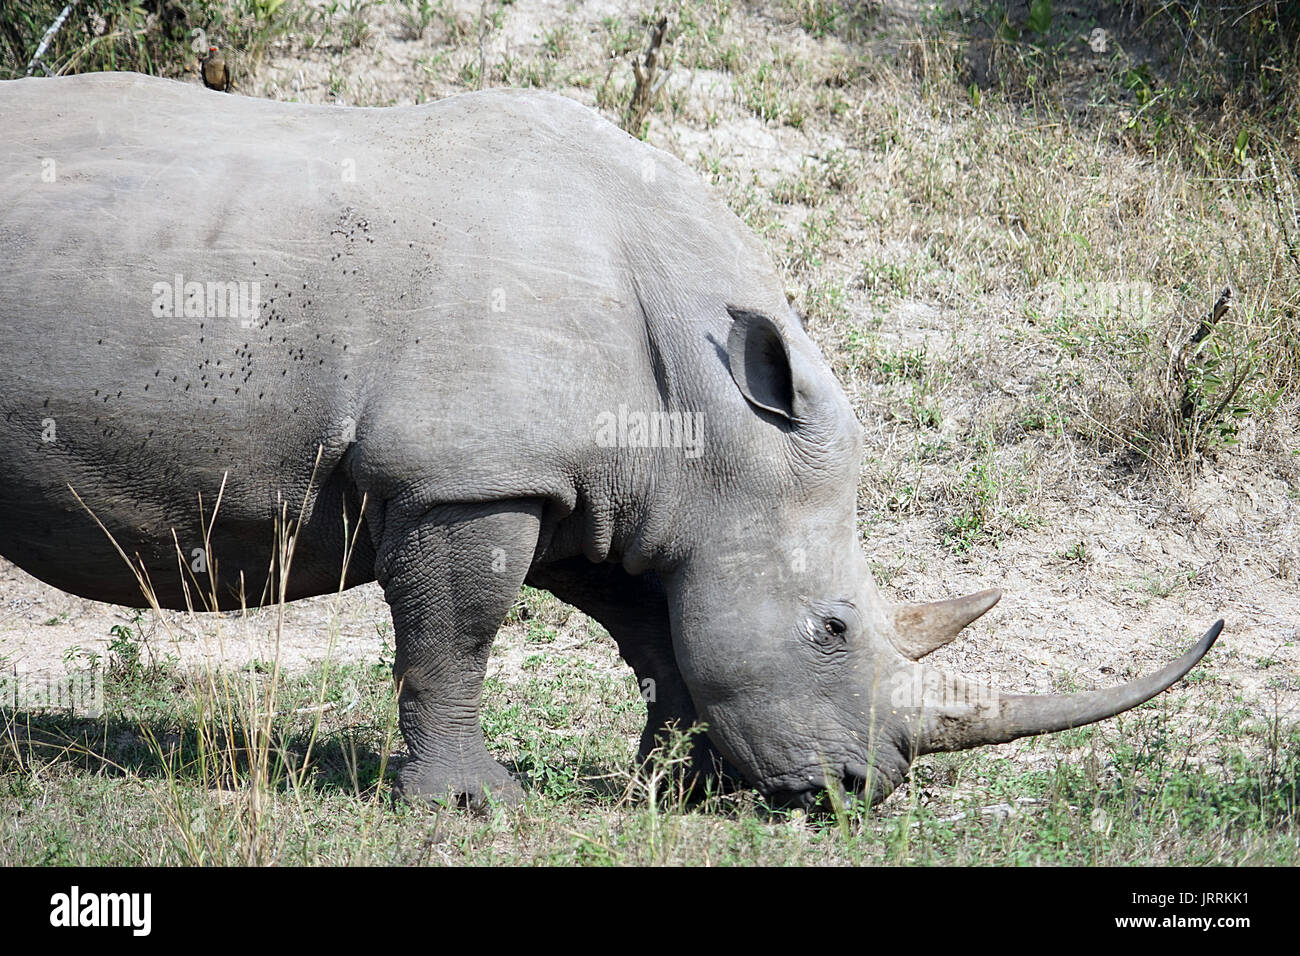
x=162 y=37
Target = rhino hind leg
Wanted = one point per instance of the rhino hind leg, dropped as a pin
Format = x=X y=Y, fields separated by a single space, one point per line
x=634 y=609
x=449 y=576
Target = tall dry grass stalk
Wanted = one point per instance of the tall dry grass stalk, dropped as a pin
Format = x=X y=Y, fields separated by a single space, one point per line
x=223 y=791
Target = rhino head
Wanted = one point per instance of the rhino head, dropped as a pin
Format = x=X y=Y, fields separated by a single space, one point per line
x=811 y=681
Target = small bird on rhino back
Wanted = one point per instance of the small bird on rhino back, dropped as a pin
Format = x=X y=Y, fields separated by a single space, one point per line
x=215 y=72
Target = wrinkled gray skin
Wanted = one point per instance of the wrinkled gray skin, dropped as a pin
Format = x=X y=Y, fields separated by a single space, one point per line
x=451 y=296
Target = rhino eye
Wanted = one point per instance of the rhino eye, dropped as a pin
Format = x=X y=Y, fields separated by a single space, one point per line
x=830 y=634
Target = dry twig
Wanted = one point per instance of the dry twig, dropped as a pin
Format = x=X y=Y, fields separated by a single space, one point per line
x=1187 y=400
x=649 y=81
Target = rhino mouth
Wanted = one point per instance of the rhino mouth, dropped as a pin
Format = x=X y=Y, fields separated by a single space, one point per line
x=817 y=791
x=807 y=798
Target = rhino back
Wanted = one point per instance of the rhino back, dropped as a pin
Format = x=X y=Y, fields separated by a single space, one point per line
x=439 y=298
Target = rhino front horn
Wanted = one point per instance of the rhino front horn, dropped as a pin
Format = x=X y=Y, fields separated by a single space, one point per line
x=957 y=714
x=920 y=629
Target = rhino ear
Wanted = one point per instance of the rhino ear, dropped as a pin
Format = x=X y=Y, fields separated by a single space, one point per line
x=760 y=363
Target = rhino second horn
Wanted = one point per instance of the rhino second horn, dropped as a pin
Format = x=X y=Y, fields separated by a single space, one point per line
x=967 y=715
x=920 y=629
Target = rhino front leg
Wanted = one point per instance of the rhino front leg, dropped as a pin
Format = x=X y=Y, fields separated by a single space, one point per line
x=634 y=609
x=449 y=577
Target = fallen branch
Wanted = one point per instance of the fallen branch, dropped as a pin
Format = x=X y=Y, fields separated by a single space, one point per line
x=49 y=35
x=316 y=709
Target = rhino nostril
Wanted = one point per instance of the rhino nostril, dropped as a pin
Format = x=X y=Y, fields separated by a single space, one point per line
x=860 y=779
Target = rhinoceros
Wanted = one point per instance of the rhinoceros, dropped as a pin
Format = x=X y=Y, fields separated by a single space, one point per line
x=474 y=344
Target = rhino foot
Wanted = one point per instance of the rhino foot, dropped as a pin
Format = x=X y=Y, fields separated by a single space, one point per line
x=476 y=788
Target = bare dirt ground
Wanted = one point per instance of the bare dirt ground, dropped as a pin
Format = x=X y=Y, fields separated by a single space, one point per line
x=1114 y=571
